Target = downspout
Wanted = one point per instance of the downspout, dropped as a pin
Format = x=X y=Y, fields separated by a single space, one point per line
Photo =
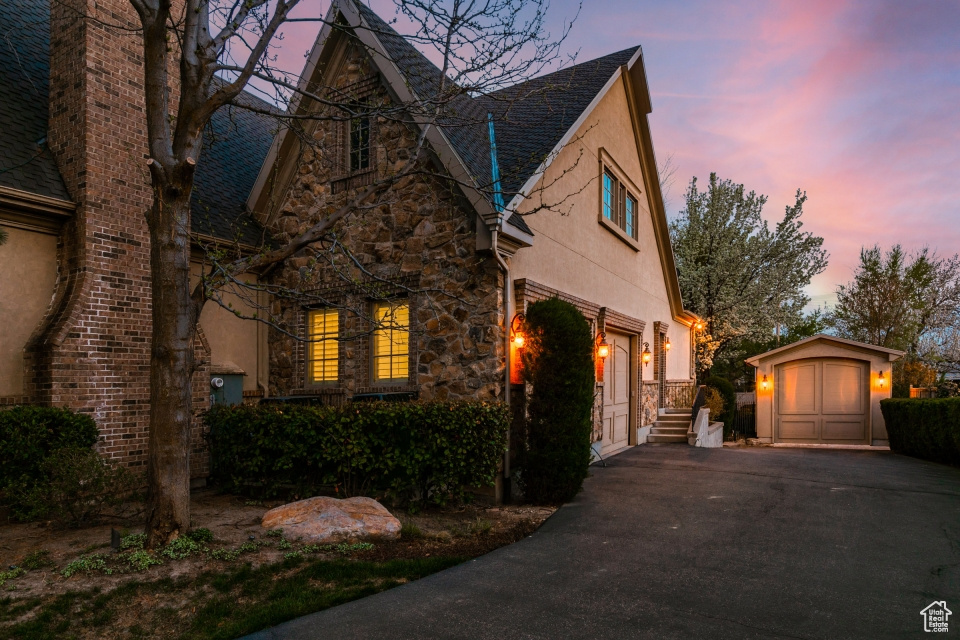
x=508 y=302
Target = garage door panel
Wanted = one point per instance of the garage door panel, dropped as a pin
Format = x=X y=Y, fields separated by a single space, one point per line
x=798 y=389
x=844 y=429
x=842 y=388
x=798 y=429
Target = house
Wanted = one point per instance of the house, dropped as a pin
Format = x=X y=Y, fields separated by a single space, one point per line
x=823 y=389
x=437 y=274
x=936 y=617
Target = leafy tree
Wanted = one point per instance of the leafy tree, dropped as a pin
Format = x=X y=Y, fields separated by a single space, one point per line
x=558 y=366
x=199 y=56
x=908 y=301
x=742 y=277
x=734 y=368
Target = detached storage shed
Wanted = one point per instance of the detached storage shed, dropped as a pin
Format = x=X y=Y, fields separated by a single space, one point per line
x=823 y=390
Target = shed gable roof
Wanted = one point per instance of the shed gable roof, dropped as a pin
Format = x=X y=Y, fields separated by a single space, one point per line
x=893 y=354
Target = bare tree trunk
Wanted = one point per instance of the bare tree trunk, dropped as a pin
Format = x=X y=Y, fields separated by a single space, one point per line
x=171 y=369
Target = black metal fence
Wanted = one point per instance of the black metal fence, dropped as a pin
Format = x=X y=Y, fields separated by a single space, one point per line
x=745 y=417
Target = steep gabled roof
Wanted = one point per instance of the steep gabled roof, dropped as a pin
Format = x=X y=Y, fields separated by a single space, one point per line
x=235 y=141
x=534 y=115
x=25 y=161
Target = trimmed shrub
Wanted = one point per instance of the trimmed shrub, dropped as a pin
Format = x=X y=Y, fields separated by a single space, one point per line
x=28 y=437
x=729 y=402
x=924 y=428
x=424 y=452
x=714 y=401
x=558 y=366
x=79 y=487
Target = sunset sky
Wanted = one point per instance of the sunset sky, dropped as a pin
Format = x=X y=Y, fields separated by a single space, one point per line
x=857 y=103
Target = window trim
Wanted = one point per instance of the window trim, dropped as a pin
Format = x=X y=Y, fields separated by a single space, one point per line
x=374 y=336
x=623 y=188
x=309 y=381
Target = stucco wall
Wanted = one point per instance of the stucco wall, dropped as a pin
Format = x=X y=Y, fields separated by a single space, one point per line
x=574 y=253
x=233 y=339
x=28 y=264
x=877 y=361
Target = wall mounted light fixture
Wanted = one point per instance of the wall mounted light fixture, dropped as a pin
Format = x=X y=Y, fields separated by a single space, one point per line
x=603 y=349
x=516 y=331
x=666 y=343
x=881 y=380
x=645 y=356
x=764 y=384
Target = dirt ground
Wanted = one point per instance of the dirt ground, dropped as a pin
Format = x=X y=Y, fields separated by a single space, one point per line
x=465 y=531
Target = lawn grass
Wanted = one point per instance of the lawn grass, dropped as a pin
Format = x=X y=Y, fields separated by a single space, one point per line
x=215 y=605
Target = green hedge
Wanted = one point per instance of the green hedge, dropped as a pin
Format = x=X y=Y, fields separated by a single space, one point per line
x=405 y=451
x=928 y=429
x=30 y=435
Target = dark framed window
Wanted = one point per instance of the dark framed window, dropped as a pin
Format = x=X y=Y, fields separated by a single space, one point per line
x=620 y=206
x=359 y=143
x=609 y=197
x=391 y=342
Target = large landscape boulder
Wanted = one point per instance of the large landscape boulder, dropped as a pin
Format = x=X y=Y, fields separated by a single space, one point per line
x=326 y=520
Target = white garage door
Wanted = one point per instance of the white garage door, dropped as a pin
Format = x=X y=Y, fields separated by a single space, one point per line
x=616 y=394
x=822 y=400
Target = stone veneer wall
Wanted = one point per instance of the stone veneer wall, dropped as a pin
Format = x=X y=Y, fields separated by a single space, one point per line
x=92 y=350
x=421 y=239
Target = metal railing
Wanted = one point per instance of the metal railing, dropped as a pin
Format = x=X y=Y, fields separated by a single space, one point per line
x=744 y=417
x=678 y=395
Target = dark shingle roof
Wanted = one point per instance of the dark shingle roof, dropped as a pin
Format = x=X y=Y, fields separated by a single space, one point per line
x=531 y=117
x=235 y=142
x=534 y=115
x=25 y=161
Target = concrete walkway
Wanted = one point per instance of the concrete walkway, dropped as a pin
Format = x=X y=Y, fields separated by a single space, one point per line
x=673 y=541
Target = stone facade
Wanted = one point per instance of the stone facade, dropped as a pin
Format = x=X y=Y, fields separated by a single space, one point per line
x=92 y=350
x=417 y=244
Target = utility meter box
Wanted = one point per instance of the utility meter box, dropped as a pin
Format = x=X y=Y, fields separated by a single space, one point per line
x=226 y=384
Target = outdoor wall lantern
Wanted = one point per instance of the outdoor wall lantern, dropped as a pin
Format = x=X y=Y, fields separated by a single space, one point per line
x=516 y=331
x=666 y=343
x=698 y=326
x=603 y=349
x=881 y=381
x=764 y=384
x=645 y=356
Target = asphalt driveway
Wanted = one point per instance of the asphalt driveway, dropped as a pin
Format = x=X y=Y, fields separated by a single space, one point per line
x=677 y=542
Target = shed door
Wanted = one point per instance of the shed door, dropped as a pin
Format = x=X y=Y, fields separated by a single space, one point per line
x=616 y=393
x=822 y=400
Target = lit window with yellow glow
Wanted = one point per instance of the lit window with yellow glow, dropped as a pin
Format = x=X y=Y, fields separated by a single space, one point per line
x=391 y=342
x=324 y=348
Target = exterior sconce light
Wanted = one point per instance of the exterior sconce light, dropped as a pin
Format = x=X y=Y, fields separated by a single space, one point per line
x=764 y=384
x=666 y=344
x=698 y=326
x=516 y=331
x=881 y=381
x=603 y=349
x=645 y=356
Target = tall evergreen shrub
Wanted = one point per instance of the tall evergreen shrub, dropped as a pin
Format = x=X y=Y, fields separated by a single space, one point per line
x=559 y=369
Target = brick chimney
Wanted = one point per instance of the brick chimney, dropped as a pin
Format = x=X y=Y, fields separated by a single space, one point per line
x=93 y=352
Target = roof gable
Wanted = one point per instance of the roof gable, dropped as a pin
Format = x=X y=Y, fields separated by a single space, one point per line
x=852 y=345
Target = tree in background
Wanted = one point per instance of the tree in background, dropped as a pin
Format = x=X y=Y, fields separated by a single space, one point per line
x=744 y=279
x=904 y=301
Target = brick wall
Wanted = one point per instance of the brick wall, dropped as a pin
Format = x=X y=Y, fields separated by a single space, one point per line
x=93 y=351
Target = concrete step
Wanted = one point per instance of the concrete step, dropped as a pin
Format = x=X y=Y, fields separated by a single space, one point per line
x=654 y=438
x=676 y=410
x=660 y=429
x=674 y=418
